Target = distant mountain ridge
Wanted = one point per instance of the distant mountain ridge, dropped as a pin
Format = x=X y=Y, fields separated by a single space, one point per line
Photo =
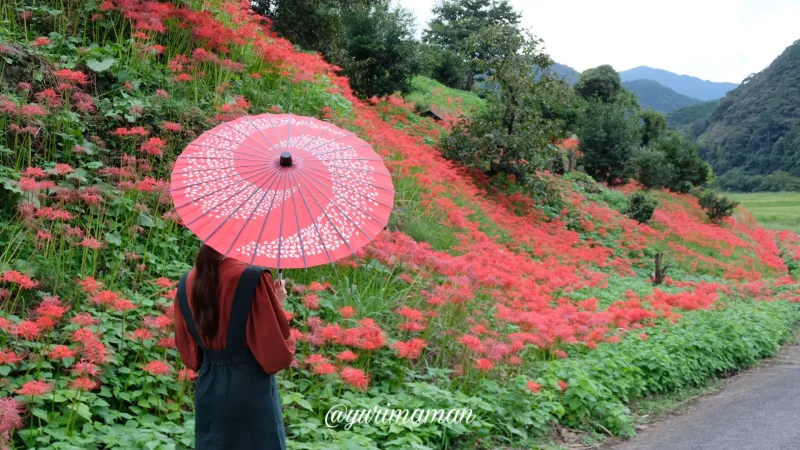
x=683 y=84
x=652 y=94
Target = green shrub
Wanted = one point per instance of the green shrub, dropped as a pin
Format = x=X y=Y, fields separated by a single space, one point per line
x=608 y=134
x=653 y=169
x=717 y=208
x=642 y=207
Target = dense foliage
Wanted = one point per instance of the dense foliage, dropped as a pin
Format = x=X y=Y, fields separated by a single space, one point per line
x=378 y=52
x=717 y=208
x=609 y=134
x=692 y=116
x=600 y=83
x=534 y=316
x=652 y=94
x=642 y=207
x=456 y=22
x=514 y=133
x=756 y=128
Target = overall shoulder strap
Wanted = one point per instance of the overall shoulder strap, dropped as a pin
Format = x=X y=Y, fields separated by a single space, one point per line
x=240 y=311
x=183 y=303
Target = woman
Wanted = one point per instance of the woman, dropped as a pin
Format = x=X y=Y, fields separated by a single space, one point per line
x=230 y=325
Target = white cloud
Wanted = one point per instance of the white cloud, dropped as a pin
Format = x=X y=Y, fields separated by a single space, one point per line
x=718 y=40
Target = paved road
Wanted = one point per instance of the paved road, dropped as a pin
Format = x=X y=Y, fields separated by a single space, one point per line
x=757 y=410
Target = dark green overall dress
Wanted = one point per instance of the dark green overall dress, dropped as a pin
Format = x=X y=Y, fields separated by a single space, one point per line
x=237 y=406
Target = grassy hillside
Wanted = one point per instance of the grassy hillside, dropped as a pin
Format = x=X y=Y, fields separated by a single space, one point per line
x=534 y=314
x=652 y=94
x=773 y=210
x=426 y=92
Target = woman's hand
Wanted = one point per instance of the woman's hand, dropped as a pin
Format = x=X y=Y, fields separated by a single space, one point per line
x=280 y=290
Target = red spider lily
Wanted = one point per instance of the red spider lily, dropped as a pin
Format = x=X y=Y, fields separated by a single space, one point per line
x=311 y=301
x=40 y=41
x=347 y=356
x=324 y=369
x=8 y=357
x=142 y=334
x=83 y=384
x=84 y=320
x=153 y=146
x=182 y=78
x=5 y=324
x=160 y=93
x=166 y=342
x=156 y=368
x=35 y=388
x=84 y=336
x=10 y=418
x=172 y=127
x=52 y=309
x=533 y=387
x=347 y=312
x=484 y=364
x=104 y=298
x=163 y=282
x=14 y=277
x=187 y=374
x=72 y=76
x=318 y=287
x=84 y=368
x=562 y=385
x=354 y=377
x=94 y=351
x=411 y=349
x=50 y=98
x=61 y=352
x=27 y=330
x=315 y=359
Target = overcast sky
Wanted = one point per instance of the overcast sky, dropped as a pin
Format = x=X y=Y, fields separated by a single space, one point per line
x=717 y=40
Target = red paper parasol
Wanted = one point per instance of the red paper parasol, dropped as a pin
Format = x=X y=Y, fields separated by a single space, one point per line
x=282 y=191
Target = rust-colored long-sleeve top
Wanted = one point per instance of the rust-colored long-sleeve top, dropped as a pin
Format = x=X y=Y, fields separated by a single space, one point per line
x=267 y=335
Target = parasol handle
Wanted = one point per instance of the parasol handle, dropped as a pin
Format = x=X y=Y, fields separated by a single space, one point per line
x=280 y=274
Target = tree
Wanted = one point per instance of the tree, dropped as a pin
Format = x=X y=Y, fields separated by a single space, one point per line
x=310 y=24
x=717 y=208
x=608 y=134
x=689 y=169
x=654 y=125
x=378 y=51
x=602 y=83
x=456 y=21
x=642 y=206
x=513 y=134
x=444 y=66
x=653 y=168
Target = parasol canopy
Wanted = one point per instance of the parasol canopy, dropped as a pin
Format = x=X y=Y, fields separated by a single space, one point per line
x=282 y=191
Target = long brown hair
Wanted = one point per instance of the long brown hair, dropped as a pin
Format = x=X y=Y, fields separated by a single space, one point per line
x=204 y=291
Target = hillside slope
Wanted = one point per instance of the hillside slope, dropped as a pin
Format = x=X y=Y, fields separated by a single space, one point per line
x=652 y=94
x=756 y=127
x=534 y=313
x=689 y=86
x=695 y=116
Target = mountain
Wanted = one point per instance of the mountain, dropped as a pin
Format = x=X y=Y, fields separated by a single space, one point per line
x=683 y=84
x=565 y=72
x=691 y=115
x=756 y=127
x=652 y=94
